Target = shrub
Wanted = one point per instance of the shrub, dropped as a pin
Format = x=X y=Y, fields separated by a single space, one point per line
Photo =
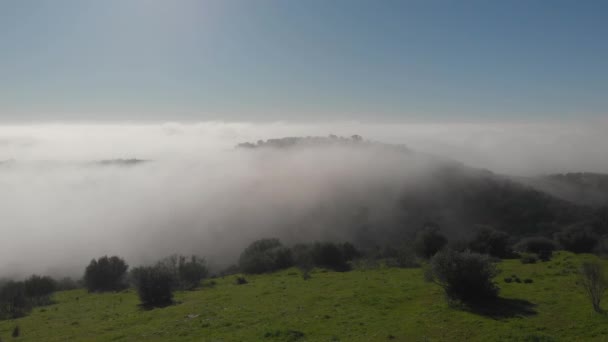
x=66 y=284
x=191 y=272
x=329 y=255
x=266 y=255
x=154 y=285
x=241 y=281
x=464 y=276
x=13 y=300
x=578 y=239
x=508 y=280
x=594 y=283
x=105 y=274
x=403 y=257
x=429 y=241
x=540 y=246
x=488 y=240
x=16 y=332
x=39 y=289
x=528 y=258
x=528 y=281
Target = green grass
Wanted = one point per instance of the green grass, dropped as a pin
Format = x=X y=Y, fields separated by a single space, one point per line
x=364 y=305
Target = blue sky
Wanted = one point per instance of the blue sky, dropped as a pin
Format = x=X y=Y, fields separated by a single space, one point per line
x=185 y=60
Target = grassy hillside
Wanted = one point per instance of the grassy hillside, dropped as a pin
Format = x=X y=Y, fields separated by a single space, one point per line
x=364 y=305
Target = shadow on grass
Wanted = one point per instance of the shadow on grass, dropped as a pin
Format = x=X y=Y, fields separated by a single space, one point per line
x=501 y=308
x=147 y=307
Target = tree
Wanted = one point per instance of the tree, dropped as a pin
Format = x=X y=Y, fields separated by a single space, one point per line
x=429 y=241
x=266 y=255
x=464 y=276
x=329 y=255
x=594 y=283
x=541 y=246
x=488 y=240
x=39 y=289
x=106 y=274
x=578 y=239
x=154 y=285
x=191 y=272
x=13 y=301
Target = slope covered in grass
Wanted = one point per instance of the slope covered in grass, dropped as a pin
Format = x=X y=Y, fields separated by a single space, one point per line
x=363 y=305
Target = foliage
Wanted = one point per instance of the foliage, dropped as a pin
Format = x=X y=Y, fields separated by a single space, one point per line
x=39 y=289
x=528 y=258
x=106 y=274
x=66 y=284
x=488 y=240
x=578 y=239
x=429 y=241
x=330 y=255
x=464 y=276
x=370 y=300
x=594 y=282
x=266 y=255
x=192 y=272
x=154 y=285
x=541 y=246
x=13 y=300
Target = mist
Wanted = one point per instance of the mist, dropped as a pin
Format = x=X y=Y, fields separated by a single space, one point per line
x=195 y=193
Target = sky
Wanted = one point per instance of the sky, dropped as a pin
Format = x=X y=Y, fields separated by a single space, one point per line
x=314 y=60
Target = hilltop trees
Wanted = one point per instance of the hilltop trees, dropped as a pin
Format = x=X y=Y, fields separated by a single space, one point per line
x=39 y=289
x=265 y=255
x=106 y=274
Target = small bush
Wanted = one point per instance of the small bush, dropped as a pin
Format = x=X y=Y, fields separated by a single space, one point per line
x=106 y=274
x=528 y=258
x=154 y=285
x=488 y=240
x=16 y=332
x=241 y=281
x=508 y=280
x=578 y=239
x=464 y=276
x=540 y=246
x=266 y=255
x=528 y=281
x=429 y=241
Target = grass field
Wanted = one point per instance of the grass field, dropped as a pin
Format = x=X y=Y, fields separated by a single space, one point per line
x=364 y=305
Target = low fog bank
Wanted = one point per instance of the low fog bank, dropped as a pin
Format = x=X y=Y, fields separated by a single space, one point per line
x=196 y=193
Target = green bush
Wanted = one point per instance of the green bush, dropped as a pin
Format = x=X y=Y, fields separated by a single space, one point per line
x=541 y=246
x=429 y=241
x=13 y=300
x=106 y=274
x=39 y=289
x=528 y=258
x=578 y=239
x=266 y=255
x=154 y=285
x=488 y=240
x=464 y=276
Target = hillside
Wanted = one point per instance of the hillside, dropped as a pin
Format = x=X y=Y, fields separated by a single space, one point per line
x=363 y=305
